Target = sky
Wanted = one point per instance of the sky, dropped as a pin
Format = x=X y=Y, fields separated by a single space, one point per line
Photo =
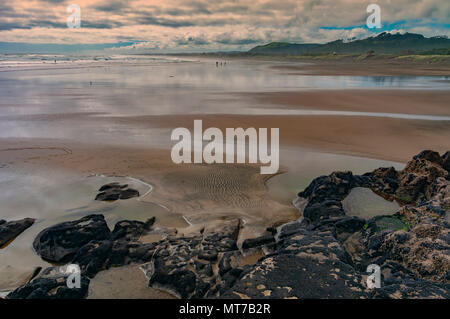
x=207 y=25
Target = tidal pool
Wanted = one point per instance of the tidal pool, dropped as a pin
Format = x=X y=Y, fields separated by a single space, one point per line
x=363 y=202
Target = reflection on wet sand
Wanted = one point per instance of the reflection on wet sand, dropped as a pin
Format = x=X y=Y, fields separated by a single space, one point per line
x=61 y=138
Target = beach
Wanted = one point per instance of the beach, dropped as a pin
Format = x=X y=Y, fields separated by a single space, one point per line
x=63 y=128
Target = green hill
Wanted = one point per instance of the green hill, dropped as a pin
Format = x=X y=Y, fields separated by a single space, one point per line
x=384 y=43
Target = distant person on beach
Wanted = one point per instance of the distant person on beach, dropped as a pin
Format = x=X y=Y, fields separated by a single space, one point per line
x=217 y=64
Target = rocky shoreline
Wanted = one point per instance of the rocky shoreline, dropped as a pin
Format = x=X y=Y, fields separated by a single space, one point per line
x=324 y=254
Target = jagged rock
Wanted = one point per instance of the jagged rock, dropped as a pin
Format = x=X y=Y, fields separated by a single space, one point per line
x=298 y=276
x=393 y=273
x=290 y=229
x=129 y=193
x=131 y=230
x=413 y=289
x=114 y=191
x=222 y=237
x=384 y=180
x=229 y=279
x=12 y=229
x=336 y=187
x=324 y=210
x=424 y=250
x=416 y=181
x=92 y=257
x=183 y=265
x=108 y=196
x=208 y=254
x=51 y=284
x=124 y=253
x=307 y=264
x=446 y=161
x=61 y=242
x=345 y=227
x=113 y=185
x=229 y=261
x=430 y=156
x=257 y=242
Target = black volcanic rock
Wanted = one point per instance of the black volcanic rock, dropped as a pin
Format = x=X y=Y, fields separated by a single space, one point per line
x=114 y=185
x=131 y=229
x=418 y=180
x=411 y=289
x=61 y=242
x=307 y=265
x=446 y=161
x=51 y=283
x=345 y=227
x=114 y=191
x=108 y=196
x=428 y=155
x=12 y=229
x=129 y=193
x=257 y=242
x=183 y=265
x=323 y=210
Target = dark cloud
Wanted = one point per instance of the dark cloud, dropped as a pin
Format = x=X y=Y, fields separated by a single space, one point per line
x=47 y=24
x=106 y=24
x=5 y=26
x=150 y=20
x=111 y=6
x=54 y=1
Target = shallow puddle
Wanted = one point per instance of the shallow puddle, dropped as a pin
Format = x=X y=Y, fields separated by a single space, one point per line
x=363 y=202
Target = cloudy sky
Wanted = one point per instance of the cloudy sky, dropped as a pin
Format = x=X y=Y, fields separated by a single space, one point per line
x=205 y=25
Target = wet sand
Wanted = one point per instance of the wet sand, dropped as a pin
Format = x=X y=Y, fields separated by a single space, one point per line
x=430 y=102
x=188 y=196
x=374 y=137
x=377 y=66
x=127 y=282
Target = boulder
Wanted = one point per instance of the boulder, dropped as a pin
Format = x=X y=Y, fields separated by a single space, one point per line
x=113 y=185
x=114 y=191
x=12 y=229
x=131 y=230
x=60 y=243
